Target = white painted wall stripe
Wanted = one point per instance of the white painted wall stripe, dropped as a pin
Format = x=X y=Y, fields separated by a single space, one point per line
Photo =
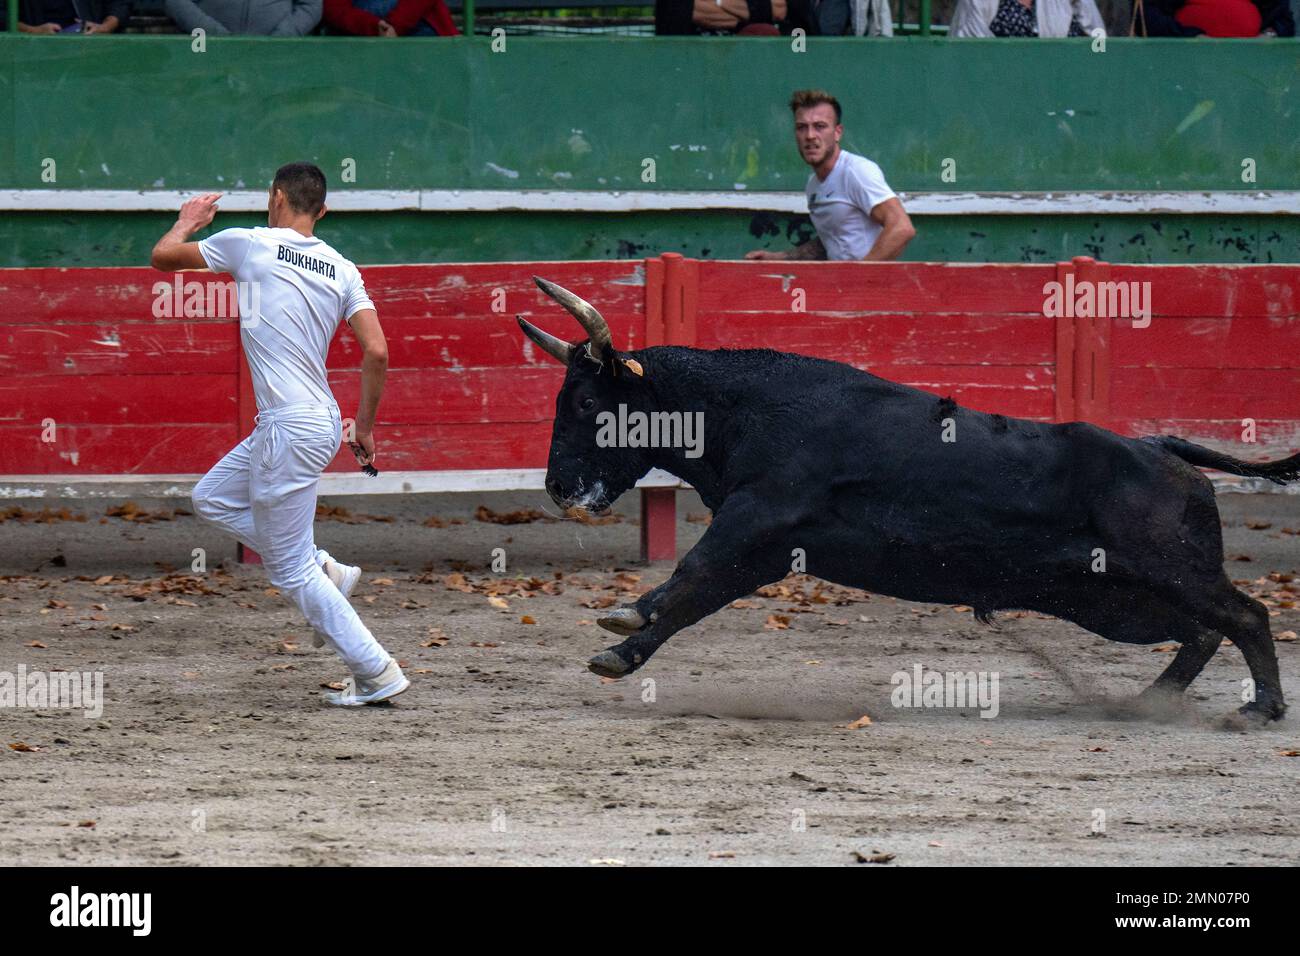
x=331 y=483
x=1228 y=202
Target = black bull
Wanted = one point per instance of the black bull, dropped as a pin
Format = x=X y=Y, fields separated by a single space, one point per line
x=890 y=489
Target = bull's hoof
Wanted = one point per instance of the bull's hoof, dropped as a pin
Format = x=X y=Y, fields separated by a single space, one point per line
x=1263 y=710
x=610 y=664
x=1256 y=714
x=623 y=621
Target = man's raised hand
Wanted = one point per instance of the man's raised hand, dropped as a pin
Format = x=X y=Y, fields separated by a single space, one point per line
x=197 y=213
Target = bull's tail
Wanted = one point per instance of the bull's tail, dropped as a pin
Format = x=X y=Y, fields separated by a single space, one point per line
x=1280 y=472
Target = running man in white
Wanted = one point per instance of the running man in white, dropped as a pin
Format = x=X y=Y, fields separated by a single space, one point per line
x=294 y=290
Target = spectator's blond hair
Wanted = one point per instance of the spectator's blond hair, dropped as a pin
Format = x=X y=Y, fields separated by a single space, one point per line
x=802 y=99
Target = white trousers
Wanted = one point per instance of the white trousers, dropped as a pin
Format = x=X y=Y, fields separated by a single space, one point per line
x=264 y=493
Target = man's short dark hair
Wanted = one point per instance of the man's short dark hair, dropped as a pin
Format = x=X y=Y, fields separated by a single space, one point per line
x=802 y=99
x=303 y=185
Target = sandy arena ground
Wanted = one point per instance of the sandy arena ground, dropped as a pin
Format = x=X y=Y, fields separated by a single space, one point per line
x=214 y=746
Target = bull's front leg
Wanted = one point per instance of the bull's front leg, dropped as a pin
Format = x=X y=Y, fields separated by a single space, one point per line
x=742 y=550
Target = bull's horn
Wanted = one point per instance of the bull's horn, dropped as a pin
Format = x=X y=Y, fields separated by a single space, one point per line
x=602 y=343
x=555 y=348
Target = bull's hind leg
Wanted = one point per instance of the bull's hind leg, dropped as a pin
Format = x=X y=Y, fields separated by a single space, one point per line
x=1187 y=664
x=742 y=550
x=1181 y=561
x=1131 y=614
x=1244 y=621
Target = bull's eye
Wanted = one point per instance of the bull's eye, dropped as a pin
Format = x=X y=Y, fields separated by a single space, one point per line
x=588 y=404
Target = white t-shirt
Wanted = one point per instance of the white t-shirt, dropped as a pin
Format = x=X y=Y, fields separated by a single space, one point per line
x=841 y=205
x=293 y=291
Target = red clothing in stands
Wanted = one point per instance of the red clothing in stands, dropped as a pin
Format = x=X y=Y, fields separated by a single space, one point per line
x=1221 y=18
x=342 y=15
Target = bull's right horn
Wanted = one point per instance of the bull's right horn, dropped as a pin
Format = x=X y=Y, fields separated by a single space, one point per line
x=602 y=343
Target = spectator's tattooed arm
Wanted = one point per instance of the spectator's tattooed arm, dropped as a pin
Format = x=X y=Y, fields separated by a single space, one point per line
x=812 y=249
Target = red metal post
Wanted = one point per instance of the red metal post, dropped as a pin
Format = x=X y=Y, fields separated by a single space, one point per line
x=663 y=318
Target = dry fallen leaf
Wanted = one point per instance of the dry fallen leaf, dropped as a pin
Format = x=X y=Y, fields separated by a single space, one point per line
x=527 y=619
x=499 y=603
x=456 y=582
x=382 y=582
x=1285 y=636
x=525 y=516
x=436 y=638
x=875 y=857
x=23 y=748
x=863 y=721
x=34 y=644
x=104 y=579
x=722 y=854
x=335 y=685
x=777 y=622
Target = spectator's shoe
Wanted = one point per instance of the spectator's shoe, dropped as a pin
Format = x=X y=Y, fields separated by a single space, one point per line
x=360 y=690
x=345 y=578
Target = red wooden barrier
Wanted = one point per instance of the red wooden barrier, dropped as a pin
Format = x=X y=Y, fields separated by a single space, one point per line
x=94 y=383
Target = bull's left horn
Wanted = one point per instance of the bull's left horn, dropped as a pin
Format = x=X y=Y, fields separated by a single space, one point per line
x=602 y=343
x=555 y=348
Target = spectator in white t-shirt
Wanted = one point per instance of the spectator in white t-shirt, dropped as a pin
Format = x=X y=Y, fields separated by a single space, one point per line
x=1026 y=18
x=855 y=213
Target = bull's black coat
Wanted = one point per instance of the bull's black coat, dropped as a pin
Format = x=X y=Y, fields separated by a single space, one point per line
x=854 y=470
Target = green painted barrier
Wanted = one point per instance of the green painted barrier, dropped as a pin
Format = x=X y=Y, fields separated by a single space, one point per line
x=618 y=115
x=587 y=113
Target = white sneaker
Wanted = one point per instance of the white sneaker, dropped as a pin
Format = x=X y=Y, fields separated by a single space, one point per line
x=389 y=683
x=345 y=578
